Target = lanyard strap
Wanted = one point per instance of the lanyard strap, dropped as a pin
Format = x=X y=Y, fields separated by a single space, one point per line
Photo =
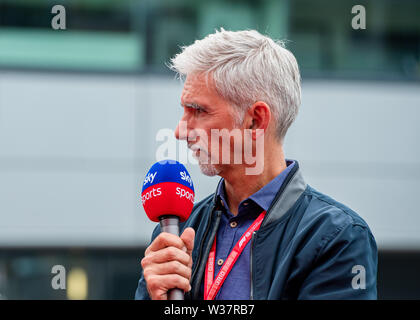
x=212 y=287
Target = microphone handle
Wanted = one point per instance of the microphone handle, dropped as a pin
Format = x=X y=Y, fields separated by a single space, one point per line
x=170 y=224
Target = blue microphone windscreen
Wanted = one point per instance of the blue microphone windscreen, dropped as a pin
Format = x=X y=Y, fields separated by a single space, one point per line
x=168 y=171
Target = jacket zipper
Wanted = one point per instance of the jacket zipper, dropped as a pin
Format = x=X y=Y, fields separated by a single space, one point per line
x=251 y=295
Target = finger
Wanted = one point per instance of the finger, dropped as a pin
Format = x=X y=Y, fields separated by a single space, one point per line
x=190 y=263
x=188 y=238
x=166 y=255
x=164 y=240
x=171 y=267
x=158 y=285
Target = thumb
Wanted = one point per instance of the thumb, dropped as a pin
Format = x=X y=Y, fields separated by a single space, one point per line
x=188 y=237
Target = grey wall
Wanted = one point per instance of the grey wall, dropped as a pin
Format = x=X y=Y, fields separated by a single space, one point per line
x=74 y=150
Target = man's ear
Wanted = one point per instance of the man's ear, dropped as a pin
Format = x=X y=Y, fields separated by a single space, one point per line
x=259 y=115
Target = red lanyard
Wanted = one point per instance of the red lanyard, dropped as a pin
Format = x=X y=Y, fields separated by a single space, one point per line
x=212 y=287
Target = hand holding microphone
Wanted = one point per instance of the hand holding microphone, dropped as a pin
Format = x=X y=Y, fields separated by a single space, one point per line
x=168 y=198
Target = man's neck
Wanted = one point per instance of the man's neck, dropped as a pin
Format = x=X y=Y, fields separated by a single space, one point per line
x=239 y=186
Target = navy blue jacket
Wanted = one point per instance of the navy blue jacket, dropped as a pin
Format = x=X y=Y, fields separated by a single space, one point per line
x=309 y=246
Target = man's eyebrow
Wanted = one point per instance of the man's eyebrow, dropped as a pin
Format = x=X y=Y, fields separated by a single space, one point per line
x=192 y=105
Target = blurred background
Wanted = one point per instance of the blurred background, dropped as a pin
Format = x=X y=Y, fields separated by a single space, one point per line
x=80 y=109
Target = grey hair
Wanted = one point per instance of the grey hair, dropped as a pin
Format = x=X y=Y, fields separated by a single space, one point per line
x=247 y=67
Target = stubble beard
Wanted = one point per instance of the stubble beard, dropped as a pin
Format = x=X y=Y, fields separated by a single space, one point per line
x=209 y=170
x=206 y=167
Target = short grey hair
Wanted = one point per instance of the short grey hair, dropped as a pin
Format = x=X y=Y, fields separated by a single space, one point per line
x=247 y=67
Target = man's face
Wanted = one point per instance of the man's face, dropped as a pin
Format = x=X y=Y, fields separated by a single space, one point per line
x=204 y=110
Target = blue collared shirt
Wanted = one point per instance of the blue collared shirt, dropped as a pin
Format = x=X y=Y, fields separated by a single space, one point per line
x=237 y=285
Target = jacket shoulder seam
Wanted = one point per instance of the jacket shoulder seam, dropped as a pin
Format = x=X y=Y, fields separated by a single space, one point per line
x=352 y=221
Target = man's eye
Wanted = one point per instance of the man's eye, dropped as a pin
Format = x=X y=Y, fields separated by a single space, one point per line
x=196 y=108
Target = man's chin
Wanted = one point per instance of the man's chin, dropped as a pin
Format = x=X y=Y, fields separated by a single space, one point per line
x=209 y=169
x=204 y=162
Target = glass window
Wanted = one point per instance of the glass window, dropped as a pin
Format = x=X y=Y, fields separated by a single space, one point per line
x=99 y=35
x=142 y=35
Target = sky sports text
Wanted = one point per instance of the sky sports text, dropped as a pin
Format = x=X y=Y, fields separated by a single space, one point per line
x=149 y=178
x=245 y=150
x=186 y=177
x=156 y=192
x=183 y=175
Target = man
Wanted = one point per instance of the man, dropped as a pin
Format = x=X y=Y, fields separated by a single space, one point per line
x=272 y=235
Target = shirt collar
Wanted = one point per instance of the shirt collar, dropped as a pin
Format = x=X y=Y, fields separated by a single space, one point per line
x=265 y=195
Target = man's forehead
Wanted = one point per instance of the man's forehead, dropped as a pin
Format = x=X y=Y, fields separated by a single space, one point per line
x=197 y=82
x=197 y=90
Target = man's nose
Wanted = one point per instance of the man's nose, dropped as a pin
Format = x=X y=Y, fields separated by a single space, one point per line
x=181 y=132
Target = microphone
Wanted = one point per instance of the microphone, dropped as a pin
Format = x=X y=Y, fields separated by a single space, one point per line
x=168 y=197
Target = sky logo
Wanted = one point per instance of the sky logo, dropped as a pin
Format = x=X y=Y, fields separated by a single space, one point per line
x=186 y=177
x=149 y=178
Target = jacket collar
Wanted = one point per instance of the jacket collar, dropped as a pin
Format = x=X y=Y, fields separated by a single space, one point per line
x=286 y=197
x=217 y=201
x=290 y=191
